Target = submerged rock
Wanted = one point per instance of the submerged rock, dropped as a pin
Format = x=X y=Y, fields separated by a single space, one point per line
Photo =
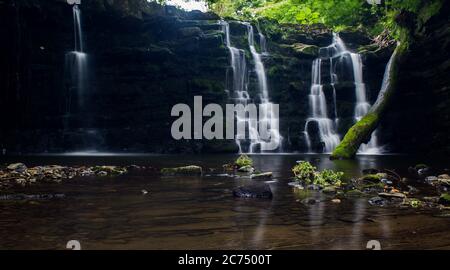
x=191 y=170
x=246 y=169
x=378 y=201
x=266 y=175
x=396 y=195
x=255 y=191
x=19 y=197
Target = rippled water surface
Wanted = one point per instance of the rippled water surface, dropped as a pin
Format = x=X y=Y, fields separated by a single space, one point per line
x=201 y=213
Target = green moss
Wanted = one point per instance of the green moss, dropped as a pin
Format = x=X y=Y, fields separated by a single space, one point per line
x=305 y=172
x=415 y=203
x=350 y=144
x=243 y=161
x=430 y=9
x=445 y=199
x=311 y=50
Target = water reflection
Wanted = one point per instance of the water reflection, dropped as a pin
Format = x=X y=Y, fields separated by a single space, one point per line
x=201 y=213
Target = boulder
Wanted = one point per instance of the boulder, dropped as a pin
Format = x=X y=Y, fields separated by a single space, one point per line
x=254 y=191
x=191 y=170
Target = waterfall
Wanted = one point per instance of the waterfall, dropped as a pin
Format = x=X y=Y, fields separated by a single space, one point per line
x=318 y=111
x=362 y=106
x=335 y=53
x=267 y=117
x=76 y=61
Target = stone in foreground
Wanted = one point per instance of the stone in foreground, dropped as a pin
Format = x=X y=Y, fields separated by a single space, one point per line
x=254 y=191
x=257 y=176
x=182 y=171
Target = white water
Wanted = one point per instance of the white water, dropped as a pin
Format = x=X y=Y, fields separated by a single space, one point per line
x=268 y=119
x=334 y=53
x=362 y=106
x=317 y=101
x=76 y=61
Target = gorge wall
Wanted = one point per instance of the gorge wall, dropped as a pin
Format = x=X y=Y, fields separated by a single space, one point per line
x=143 y=59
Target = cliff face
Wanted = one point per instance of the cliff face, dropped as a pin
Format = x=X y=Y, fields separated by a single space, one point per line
x=143 y=59
x=419 y=120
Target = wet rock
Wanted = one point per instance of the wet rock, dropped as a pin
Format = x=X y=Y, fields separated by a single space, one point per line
x=109 y=170
x=395 y=195
x=258 y=176
x=336 y=201
x=246 y=169
x=354 y=193
x=329 y=190
x=386 y=182
x=296 y=185
x=412 y=190
x=433 y=199
x=255 y=191
x=431 y=180
x=378 y=201
x=190 y=32
x=228 y=167
x=305 y=50
x=183 y=171
x=17 y=167
x=19 y=197
x=444 y=176
x=314 y=187
x=445 y=199
x=309 y=201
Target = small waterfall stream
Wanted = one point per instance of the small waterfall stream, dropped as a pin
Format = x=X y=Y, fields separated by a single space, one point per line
x=76 y=61
x=268 y=120
x=362 y=106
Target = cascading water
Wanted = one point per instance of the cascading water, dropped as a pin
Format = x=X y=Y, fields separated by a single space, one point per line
x=267 y=116
x=362 y=106
x=317 y=101
x=76 y=61
x=335 y=53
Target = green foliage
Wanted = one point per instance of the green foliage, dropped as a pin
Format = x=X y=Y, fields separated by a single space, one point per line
x=243 y=160
x=307 y=173
x=304 y=171
x=328 y=177
x=414 y=203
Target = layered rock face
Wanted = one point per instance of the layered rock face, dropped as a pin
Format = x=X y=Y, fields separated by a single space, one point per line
x=419 y=118
x=142 y=59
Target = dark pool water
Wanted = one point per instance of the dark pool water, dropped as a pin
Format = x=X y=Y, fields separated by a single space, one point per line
x=201 y=213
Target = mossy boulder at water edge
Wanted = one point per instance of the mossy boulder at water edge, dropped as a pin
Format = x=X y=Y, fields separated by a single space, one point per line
x=191 y=170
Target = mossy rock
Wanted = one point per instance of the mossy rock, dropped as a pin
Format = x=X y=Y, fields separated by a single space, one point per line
x=375 y=178
x=109 y=170
x=243 y=161
x=305 y=49
x=445 y=199
x=191 y=170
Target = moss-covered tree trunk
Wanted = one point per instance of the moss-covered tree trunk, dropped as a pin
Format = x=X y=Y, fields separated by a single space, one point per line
x=361 y=132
